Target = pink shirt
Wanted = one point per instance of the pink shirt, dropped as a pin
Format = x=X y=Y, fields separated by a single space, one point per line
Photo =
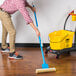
x=11 y=6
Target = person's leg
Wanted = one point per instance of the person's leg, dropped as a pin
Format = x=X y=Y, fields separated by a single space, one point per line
x=4 y=37
x=11 y=30
x=12 y=33
x=7 y=22
x=8 y=27
x=4 y=46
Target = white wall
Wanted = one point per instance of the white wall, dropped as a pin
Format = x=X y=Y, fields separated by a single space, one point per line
x=51 y=16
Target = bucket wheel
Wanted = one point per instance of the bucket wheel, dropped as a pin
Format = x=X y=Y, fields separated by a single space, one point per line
x=68 y=52
x=47 y=50
x=57 y=57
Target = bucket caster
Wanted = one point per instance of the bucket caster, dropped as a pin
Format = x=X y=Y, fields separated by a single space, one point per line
x=68 y=52
x=47 y=50
x=57 y=57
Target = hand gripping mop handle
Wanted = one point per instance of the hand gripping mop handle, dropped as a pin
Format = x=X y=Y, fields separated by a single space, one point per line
x=40 y=39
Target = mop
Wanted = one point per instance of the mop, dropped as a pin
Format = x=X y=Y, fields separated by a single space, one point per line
x=45 y=67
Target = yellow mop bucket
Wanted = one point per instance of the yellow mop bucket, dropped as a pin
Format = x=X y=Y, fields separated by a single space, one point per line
x=61 y=39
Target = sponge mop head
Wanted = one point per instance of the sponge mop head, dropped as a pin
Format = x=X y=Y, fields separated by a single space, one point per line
x=45 y=70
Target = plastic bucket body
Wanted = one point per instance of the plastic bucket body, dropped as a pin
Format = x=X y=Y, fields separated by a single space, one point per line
x=61 y=39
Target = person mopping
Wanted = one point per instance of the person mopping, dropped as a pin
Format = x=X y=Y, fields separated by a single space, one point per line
x=6 y=9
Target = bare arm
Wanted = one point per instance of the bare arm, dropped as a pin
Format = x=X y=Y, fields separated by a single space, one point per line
x=36 y=30
x=31 y=24
x=21 y=7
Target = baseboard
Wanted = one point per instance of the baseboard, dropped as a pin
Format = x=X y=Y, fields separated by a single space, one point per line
x=29 y=44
